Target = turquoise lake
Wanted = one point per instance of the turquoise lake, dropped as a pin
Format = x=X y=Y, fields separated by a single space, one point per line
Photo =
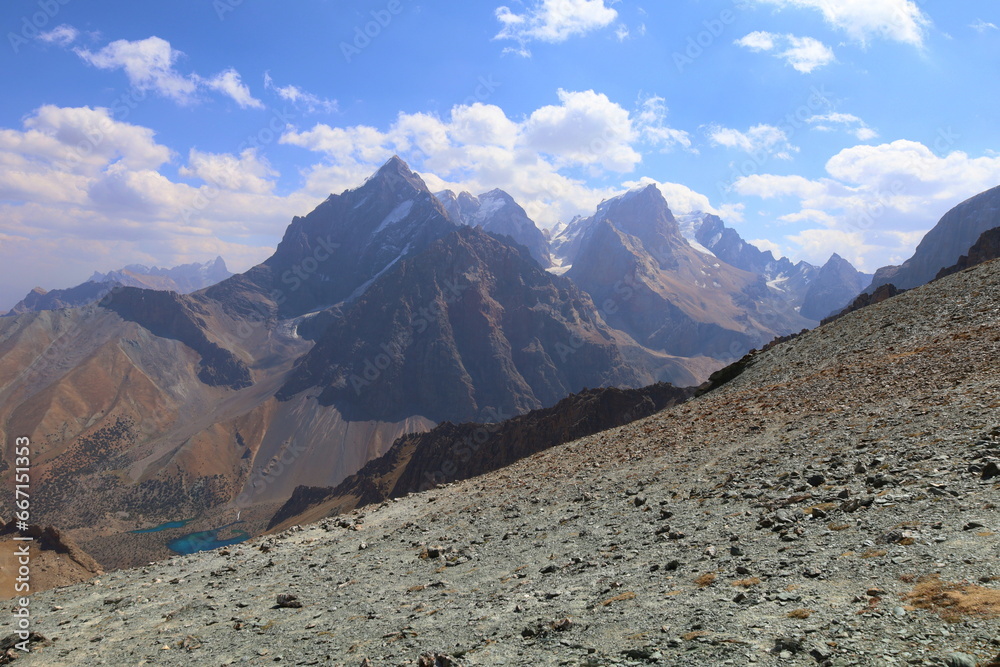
x=206 y=540
x=163 y=526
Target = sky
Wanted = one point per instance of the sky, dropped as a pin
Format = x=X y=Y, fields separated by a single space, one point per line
x=172 y=132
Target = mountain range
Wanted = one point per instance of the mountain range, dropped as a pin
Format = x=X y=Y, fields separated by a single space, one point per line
x=386 y=311
x=183 y=279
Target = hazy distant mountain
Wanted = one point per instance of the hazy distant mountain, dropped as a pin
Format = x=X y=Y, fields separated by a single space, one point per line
x=182 y=279
x=727 y=244
x=951 y=238
x=834 y=287
x=497 y=212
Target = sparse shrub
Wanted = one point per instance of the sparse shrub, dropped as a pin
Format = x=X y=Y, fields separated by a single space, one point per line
x=706 y=579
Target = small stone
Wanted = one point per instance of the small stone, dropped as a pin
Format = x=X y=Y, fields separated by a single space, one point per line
x=287 y=601
x=960 y=660
x=816 y=480
x=991 y=470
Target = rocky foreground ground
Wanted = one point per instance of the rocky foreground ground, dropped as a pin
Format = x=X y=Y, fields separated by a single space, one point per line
x=834 y=504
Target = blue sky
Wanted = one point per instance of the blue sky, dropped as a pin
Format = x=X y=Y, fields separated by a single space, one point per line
x=163 y=133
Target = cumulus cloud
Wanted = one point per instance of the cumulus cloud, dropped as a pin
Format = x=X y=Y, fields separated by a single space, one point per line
x=651 y=122
x=553 y=21
x=805 y=54
x=63 y=35
x=247 y=172
x=84 y=190
x=301 y=99
x=759 y=138
x=862 y=20
x=848 y=122
x=228 y=83
x=478 y=147
x=882 y=198
x=150 y=63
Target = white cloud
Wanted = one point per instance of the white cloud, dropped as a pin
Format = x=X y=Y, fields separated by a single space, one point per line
x=651 y=122
x=478 y=147
x=805 y=54
x=848 y=122
x=84 y=191
x=63 y=35
x=148 y=64
x=765 y=245
x=759 y=138
x=245 y=173
x=553 y=21
x=228 y=83
x=862 y=20
x=817 y=245
x=300 y=98
x=587 y=129
x=982 y=26
x=758 y=41
x=880 y=198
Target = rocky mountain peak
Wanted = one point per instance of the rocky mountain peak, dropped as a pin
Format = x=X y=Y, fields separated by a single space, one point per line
x=942 y=247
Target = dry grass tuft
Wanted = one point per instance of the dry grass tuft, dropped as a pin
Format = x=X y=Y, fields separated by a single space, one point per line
x=706 y=579
x=619 y=598
x=747 y=583
x=954 y=601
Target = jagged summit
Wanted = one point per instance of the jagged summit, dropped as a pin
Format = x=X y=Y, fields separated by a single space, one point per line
x=497 y=212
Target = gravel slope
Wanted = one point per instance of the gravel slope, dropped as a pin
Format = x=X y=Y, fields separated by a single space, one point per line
x=782 y=519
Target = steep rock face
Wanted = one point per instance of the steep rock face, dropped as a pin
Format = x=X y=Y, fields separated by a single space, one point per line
x=648 y=281
x=566 y=239
x=951 y=238
x=788 y=280
x=168 y=315
x=453 y=452
x=497 y=213
x=350 y=239
x=834 y=287
x=987 y=248
x=470 y=329
x=55 y=559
